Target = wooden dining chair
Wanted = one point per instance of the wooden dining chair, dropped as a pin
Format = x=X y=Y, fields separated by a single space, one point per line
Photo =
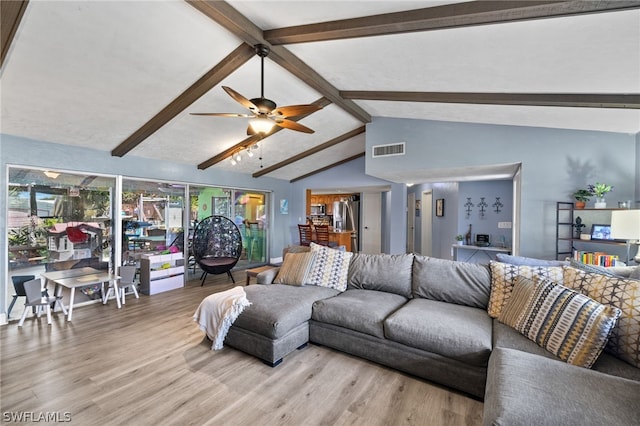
x=306 y=234
x=322 y=235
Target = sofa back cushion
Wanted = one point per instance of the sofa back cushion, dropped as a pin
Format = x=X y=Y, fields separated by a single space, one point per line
x=382 y=272
x=467 y=284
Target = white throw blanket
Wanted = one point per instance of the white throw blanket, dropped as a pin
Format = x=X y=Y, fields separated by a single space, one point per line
x=218 y=311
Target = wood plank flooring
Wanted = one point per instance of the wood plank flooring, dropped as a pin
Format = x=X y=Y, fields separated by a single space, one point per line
x=148 y=364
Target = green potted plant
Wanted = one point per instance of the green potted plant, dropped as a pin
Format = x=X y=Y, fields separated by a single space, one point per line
x=599 y=190
x=460 y=239
x=581 y=196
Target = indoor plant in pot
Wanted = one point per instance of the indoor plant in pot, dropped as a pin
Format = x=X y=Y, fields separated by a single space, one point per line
x=460 y=239
x=599 y=190
x=581 y=196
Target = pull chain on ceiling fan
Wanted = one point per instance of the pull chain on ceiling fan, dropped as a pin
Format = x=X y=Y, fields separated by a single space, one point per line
x=265 y=114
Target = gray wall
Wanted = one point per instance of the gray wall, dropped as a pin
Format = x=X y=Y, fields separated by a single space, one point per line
x=455 y=220
x=555 y=162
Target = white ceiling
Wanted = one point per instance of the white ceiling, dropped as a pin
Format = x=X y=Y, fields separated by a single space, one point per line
x=89 y=73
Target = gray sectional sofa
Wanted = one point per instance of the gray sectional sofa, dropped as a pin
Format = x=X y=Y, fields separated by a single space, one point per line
x=428 y=317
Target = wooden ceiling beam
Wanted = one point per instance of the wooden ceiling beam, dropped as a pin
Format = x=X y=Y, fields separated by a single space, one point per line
x=252 y=140
x=230 y=19
x=205 y=83
x=314 y=150
x=304 y=72
x=330 y=166
x=11 y=13
x=579 y=100
x=440 y=17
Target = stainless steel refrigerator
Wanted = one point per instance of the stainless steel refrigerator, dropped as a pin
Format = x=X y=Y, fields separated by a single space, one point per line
x=346 y=217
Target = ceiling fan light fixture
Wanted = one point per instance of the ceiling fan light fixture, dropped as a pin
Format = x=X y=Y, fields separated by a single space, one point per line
x=250 y=152
x=238 y=157
x=233 y=161
x=261 y=125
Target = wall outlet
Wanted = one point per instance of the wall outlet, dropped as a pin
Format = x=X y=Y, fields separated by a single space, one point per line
x=504 y=225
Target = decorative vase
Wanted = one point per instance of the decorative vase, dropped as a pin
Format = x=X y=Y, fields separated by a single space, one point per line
x=601 y=203
x=580 y=205
x=460 y=243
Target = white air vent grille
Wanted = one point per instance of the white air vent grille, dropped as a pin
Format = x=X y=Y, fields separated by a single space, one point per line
x=388 y=150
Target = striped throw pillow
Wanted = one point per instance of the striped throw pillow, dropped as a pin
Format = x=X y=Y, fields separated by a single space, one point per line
x=504 y=277
x=572 y=326
x=295 y=269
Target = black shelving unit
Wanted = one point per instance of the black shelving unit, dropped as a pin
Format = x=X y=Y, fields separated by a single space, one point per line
x=565 y=213
x=564 y=230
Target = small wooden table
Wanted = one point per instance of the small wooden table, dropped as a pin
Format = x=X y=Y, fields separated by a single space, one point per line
x=253 y=272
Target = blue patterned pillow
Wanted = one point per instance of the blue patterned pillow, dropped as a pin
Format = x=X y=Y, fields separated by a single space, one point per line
x=330 y=267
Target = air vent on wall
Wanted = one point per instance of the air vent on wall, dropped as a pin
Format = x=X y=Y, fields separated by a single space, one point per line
x=388 y=150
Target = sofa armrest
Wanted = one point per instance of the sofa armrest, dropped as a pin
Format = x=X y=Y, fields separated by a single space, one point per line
x=267 y=277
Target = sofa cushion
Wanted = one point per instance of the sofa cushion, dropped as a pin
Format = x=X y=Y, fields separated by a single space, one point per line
x=330 y=267
x=359 y=310
x=504 y=276
x=458 y=332
x=383 y=272
x=568 y=324
x=528 y=389
x=277 y=309
x=621 y=293
x=462 y=283
x=295 y=268
x=528 y=261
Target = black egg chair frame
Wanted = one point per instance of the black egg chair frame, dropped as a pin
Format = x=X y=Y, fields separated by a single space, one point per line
x=217 y=246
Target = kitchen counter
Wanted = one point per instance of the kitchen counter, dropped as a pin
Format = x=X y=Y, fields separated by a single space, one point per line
x=342 y=238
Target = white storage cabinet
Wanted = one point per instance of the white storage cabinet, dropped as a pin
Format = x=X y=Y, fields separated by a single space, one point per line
x=161 y=272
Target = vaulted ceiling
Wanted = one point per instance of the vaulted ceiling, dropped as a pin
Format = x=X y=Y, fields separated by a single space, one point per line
x=123 y=77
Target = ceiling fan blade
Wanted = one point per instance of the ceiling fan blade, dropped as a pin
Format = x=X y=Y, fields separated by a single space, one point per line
x=293 y=125
x=240 y=99
x=222 y=114
x=294 y=110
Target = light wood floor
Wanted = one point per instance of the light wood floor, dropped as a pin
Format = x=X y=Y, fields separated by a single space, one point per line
x=149 y=364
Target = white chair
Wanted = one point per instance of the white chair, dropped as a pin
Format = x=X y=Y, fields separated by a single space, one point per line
x=35 y=299
x=127 y=281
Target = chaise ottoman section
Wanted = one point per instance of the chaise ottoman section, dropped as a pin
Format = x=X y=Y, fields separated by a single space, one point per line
x=454 y=331
x=527 y=389
x=276 y=322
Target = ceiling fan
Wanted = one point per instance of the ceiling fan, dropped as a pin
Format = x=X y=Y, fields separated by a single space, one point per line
x=265 y=114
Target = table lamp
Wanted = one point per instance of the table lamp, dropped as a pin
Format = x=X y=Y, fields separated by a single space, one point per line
x=625 y=225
